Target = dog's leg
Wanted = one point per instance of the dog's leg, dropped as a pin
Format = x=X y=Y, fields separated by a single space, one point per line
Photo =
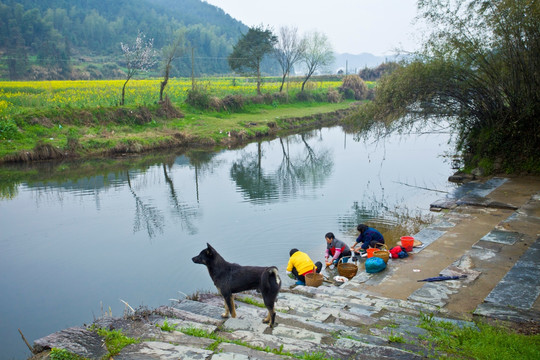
x=229 y=307
x=233 y=308
x=273 y=321
x=267 y=319
x=270 y=285
x=226 y=313
x=270 y=319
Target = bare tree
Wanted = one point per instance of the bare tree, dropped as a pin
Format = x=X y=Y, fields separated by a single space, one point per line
x=288 y=50
x=318 y=53
x=170 y=53
x=139 y=58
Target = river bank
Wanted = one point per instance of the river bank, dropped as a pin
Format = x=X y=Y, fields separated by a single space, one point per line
x=72 y=133
x=489 y=231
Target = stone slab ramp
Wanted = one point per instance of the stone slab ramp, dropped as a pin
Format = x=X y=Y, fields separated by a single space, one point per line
x=515 y=295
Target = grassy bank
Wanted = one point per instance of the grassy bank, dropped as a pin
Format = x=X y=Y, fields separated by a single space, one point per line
x=57 y=133
x=48 y=120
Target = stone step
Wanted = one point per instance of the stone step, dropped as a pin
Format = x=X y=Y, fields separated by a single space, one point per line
x=313 y=322
x=510 y=290
x=158 y=350
x=333 y=320
x=514 y=296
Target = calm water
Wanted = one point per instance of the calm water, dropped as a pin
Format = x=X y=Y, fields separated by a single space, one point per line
x=77 y=238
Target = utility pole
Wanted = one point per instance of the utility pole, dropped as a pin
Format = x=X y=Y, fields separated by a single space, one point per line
x=192 y=69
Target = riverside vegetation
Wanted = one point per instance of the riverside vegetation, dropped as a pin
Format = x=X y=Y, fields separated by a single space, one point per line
x=478 y=68
x=57 y=119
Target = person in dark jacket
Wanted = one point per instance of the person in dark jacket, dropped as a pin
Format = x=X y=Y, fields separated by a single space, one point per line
x=368 y=237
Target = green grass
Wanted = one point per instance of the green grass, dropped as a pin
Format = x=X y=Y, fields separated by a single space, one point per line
x=204 y=124
x=63 y=354
x=115 y=341
x=248 y=300
x=396 y=338
x=484 y=341
x=167 y=327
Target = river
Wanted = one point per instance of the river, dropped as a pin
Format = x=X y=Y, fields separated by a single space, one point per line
x=81 y=239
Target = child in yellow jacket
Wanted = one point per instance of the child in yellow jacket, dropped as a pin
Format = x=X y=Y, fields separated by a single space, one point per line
x=301 y=264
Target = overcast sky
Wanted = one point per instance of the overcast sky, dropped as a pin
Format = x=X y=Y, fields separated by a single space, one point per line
x=353 y=26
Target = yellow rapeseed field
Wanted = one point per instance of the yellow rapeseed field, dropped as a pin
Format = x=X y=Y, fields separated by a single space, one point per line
x=15 y=95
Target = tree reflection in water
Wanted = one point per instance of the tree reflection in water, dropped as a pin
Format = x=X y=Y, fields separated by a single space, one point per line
x=249 y=176
x=310 y=167
x=201 y=162
x=146 y=216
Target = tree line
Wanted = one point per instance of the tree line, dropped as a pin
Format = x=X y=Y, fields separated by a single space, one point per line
x=58 y=34
x=313 y=51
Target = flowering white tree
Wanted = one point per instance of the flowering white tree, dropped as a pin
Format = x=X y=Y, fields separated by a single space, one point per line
x=139 y=58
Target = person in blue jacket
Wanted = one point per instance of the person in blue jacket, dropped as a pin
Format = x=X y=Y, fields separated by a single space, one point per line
x=369 y=237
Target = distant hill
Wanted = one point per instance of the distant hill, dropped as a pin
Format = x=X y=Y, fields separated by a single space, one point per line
x=70 y=38
x=80 y=39
x=352 y=64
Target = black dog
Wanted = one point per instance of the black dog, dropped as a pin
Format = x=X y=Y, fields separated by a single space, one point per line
x=232 y=278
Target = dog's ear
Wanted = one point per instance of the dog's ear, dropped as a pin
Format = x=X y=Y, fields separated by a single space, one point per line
x=209 y=250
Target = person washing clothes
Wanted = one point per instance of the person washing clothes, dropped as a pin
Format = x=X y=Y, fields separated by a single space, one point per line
x=301 y=264
x=368 y=237
x=335 y=249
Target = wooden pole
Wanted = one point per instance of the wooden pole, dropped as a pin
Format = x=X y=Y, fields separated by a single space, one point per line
x=192 y=69
x=26 y=342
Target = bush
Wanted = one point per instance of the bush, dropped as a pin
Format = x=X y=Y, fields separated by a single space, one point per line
x=266 y=99
x=319 y=96
x=8 y=129
x=233 y=102
x=333 y=96
x=304 y=96
x=281 y=97
x=215 y=103
x=198 y=98
x=370 y=94
x=373 y=74
x=353 y=87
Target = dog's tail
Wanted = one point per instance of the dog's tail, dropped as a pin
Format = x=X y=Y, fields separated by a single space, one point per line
x=270 y=283
x=271 y=277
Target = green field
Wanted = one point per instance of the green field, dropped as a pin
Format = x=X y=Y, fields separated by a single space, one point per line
x=50 y=119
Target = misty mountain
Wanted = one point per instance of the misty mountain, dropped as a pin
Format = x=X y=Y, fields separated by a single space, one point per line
x=352 y=64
